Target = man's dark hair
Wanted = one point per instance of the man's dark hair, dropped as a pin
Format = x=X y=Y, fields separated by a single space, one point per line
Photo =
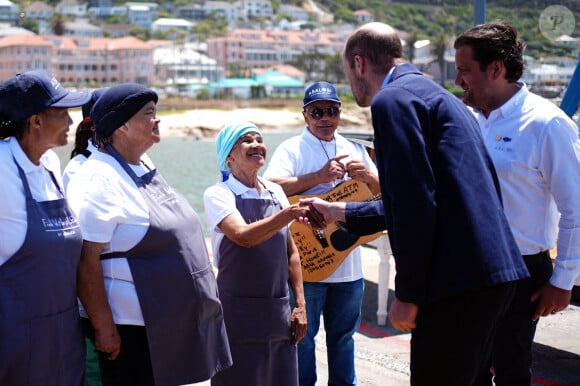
x=495 y=41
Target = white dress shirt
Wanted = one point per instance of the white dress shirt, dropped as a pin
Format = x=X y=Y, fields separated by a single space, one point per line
x=536 y=151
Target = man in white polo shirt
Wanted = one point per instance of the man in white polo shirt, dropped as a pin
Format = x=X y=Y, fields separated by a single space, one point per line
x=315 y=162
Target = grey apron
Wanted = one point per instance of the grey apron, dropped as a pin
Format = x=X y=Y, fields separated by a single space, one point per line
x=253 y=285
x=176 y=287
x=41 y=341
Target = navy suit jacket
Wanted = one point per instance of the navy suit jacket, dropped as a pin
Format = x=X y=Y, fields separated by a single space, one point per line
x=440 y=194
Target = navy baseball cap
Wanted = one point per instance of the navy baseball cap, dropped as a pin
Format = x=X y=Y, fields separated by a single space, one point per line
x=320 y=91
x=34 y=91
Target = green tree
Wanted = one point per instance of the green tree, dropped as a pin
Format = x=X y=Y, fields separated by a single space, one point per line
x=116 y=19
x=209 y=28
x=239 y=70
x=334 y=70
x=29 y=24
x=203 y=94
x=140 y=33
x=345 y=15
x=311 y=63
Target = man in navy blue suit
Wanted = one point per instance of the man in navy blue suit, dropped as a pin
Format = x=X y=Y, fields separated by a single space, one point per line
x=456 y=260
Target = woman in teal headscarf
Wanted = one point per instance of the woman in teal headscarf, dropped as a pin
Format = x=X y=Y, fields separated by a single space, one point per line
x=248 y=218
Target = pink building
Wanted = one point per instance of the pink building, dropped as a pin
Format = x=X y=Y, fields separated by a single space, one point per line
x=263 y=49
x=78 y=61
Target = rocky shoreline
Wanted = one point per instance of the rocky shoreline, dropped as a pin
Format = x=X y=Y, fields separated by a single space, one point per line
x=206 y=122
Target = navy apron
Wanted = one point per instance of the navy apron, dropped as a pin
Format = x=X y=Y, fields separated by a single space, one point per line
x=176 y=287
x=41 y=341
x=253 y=285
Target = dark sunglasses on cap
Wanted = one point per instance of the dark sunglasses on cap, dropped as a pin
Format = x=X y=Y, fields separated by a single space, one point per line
x=318 y=113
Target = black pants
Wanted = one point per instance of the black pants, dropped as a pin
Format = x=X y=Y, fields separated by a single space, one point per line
x=452 y=341
x=512 y=349
x=133 y=365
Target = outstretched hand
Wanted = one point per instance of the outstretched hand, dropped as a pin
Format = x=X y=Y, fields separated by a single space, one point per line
x=308 y=215
x=330 y=211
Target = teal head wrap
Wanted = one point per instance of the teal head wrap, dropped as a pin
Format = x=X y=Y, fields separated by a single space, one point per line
x=226 y=139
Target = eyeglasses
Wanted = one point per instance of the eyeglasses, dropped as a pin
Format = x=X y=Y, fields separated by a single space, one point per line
x=318 y=112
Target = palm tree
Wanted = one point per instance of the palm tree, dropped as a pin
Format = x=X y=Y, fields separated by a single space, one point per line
x=439 y=46
x=410 y=41
x=57 y=21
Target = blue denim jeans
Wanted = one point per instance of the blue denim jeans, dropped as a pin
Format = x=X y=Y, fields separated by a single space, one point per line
x=340 y=305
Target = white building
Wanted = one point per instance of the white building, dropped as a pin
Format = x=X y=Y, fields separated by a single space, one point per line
x=6 y=29
x=82 y=27
x=364 y=16
x=71 y=8
x=256 y=8
x=184 y=64
x=39 y=10
x=141 y=14
x=191 y=12
x=551 y=73
x=227 y=11
x=8 y=11
x=168 y=24
x=107 y=11
x=293 y=12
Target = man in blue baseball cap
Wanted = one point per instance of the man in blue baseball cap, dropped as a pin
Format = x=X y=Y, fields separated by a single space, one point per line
x=315 y=162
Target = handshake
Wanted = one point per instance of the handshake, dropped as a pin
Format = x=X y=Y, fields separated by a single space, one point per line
x=318 y=213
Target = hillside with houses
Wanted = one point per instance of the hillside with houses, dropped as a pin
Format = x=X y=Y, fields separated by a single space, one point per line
x=246 y=48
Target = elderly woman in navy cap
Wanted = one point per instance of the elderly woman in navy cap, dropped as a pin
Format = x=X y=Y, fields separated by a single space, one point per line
x=248 y=218
x=145 y=279
x=41 y=341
